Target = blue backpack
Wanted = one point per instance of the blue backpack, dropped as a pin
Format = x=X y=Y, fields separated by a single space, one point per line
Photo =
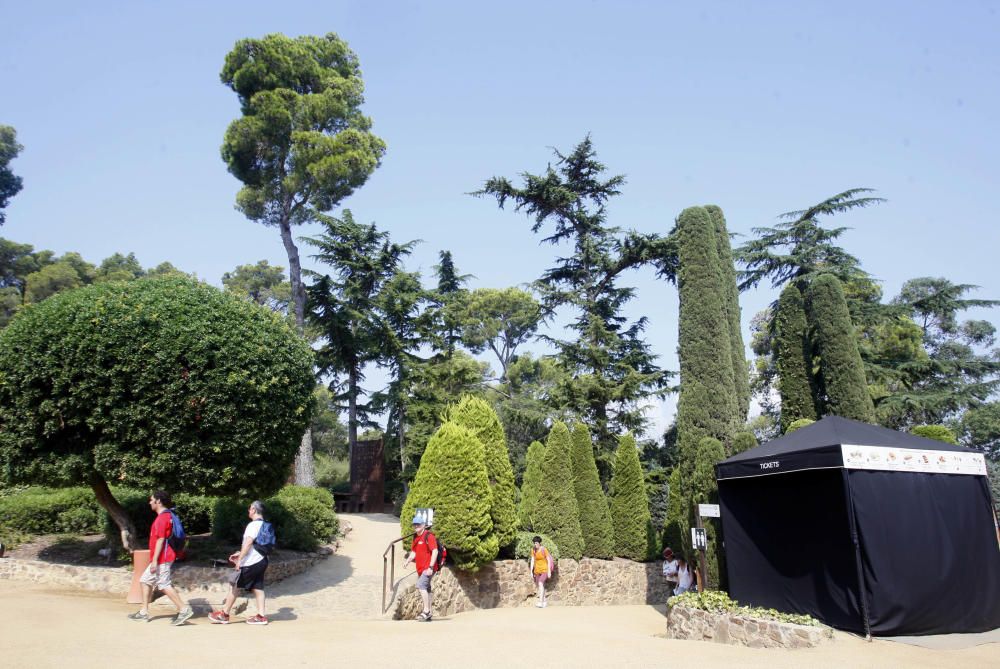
x=177 y=539
x=265 y=541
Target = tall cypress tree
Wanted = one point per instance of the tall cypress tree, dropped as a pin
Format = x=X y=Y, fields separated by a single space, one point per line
x=741 y=374
x=595 y=518
x=705 y=491
x=629 y=504
x=452 y=480
x=556 y=513
x=794 y=358
x=707 y=403
x=842 y=372
x=529 y=485
x=479 y=417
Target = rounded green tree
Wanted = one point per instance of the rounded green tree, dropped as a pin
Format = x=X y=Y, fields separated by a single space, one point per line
x=152 y=383
x=629 y=504
x=556 y=513
x=529 y=485
x=595 y=518
x=452 y=480
x=935 y=432
x=479 y=417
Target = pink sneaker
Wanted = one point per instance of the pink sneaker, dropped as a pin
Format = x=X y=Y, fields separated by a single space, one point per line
x=257 y=620
x=219 y=617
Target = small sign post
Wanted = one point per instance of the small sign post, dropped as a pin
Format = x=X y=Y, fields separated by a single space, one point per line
x=699 y=539
x=709 y=510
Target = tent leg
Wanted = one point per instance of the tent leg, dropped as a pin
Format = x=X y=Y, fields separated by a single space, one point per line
x=857 y=555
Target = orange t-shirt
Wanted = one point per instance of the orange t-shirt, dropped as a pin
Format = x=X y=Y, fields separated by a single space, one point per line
x=541 y=560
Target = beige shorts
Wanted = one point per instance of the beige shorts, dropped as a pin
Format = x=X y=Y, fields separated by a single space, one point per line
x=161 y=579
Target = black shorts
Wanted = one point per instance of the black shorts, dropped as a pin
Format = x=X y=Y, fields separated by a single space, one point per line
x=252 y=577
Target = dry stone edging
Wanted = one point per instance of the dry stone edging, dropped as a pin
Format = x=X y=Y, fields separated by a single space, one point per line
x=739 y=630
x=188 y=579
x=507 y=584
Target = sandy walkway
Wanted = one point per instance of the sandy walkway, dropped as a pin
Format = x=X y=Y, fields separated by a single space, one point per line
x=348 y=585
x=42 y=628
x=330 y=616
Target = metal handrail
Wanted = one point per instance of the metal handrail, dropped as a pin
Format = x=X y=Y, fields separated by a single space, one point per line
x=389 y=565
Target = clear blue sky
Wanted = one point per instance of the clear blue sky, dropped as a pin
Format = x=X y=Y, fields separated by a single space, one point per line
x=758 y=107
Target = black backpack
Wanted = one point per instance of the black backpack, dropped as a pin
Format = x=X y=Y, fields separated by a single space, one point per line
x=442 y=554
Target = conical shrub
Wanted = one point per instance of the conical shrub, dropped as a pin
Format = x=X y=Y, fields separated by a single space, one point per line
x=595 y=517
x=529 y=485
x=478 y=416
x=452 y=480
x=629 y=505
x=556 y=513
x=794 y=358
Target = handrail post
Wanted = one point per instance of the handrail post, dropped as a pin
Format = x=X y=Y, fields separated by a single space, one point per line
x=390 y=562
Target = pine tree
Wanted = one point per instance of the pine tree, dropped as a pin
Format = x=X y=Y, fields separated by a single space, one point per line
x=556 y=513
x=841 y=369
x=794 y=358
x=629 y=505
x=452 y=480
x=595 y=518
x=529 y=486
x=479 y=417
x=741 y=375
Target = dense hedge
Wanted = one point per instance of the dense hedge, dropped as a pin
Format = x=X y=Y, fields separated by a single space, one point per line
x=479 y=417
x=556 y=513
x=794 y=358
x=592 y=504
x=629 y=505
x=529 y=485
x=39 y=510
x=303 y=518
x=524 y=543
x=452 y=480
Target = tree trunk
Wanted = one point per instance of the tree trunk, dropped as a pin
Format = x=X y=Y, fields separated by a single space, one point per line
x=352 y=415
x=108 y=502
x=303 y=471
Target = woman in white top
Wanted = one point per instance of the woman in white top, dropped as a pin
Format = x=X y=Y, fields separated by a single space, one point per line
x=685 y=577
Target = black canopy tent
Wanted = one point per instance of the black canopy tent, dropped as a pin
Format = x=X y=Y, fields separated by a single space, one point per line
x=867 y=529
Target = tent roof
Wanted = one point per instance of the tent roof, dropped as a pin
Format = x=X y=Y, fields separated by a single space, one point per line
x=817 y=446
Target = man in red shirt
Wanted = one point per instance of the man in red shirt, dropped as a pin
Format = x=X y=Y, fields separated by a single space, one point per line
x=424 y=552
x=161 y=562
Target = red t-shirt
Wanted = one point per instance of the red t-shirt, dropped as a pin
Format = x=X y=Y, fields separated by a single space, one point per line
x=162 y=527
x=423 y=545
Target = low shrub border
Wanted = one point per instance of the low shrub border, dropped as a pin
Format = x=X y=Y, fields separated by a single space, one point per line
x=712 y=616
x=716 y=601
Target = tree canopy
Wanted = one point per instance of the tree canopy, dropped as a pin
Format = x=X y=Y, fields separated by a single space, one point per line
x=10 y=183
x=152 y=383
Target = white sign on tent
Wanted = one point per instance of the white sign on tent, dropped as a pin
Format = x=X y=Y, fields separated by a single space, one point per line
x=886 y=458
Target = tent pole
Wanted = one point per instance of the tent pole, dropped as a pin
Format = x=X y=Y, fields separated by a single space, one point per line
x=857 y=555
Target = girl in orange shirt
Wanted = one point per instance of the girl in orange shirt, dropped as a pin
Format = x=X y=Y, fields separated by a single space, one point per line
x=541 y=568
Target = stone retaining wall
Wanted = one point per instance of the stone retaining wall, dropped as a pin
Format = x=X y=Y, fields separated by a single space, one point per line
x=188 y=579
x=736 y=630
x=507 y=583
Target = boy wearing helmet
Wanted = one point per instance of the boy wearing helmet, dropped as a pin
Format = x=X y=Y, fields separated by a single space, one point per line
x=423 y=551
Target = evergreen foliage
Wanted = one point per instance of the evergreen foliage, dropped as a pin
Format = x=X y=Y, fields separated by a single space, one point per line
x=452 y=479
x=741 y=375
x=595 y=517
x=629 y=505
x=707 y=406
x=935 y=432
x=152 y=383
x=675 y=528
x=794 y=358
x=529 y=485
x=10 y=183
x=743 y=441
x=704 y=490
x=556 y=513
x=798 y=424
x=611 y=370
x=842 y=372
x=478 y=417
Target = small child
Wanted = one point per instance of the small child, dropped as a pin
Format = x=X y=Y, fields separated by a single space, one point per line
x=541 y=568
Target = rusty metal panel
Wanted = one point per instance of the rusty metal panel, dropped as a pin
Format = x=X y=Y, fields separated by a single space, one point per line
x=368 y=475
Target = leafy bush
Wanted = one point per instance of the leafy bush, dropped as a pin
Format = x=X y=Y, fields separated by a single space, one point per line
x=716 y=601
x=332 y=473
x=935 y=432
x=523 y=544
x=303 y=518
x=135 y=503
x=798 y=424
x=40 y=510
